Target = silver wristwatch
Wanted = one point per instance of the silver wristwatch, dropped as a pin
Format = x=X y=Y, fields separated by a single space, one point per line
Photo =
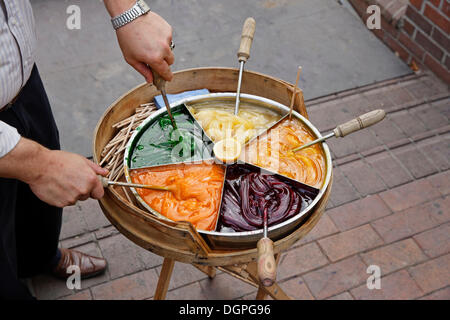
x=139 y=9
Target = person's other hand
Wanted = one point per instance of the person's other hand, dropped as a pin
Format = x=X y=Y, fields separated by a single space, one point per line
x=64 y=178
x=57 y=177
x=146 y=42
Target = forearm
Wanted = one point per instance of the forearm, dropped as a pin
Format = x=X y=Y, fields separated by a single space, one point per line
x=23 y=161
x=116 y=7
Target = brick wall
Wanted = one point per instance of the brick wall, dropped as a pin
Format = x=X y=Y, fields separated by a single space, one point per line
x=416 y=30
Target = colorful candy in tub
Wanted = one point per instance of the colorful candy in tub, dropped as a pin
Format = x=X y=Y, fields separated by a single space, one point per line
x=248 y=191
x=196 y=190
x=161 y=144
x=219 y=121
x=273 y=151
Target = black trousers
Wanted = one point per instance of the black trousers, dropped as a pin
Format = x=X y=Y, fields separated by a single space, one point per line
x=29 y=228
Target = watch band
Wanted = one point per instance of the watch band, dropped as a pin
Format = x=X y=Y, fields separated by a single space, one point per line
x=139 y=9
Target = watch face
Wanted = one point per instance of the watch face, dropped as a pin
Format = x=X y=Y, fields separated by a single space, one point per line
x=143 y=6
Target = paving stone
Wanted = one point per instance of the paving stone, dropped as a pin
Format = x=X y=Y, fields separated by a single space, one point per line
x=124 y=257
x=441 y=130
x=389 y=169
x=347 y=159
x=136 y=286
x=442 y=294
x=342 y=296
x=364 y=140
x=433 y=274
x=300 y=260
x=373 y=151
x=323 y=228
x=425 y=135
x=415 y=161
x=93 y=215
x=189 y=292
x=398 y=143
x=358 y=212
x=431 y=117
x=394 y=256
x=342 y=147
x=317 y=112
x=409 y=195
x=436 y=86
x=183 y=274
x=342 y=112
x=438 y=151
x=73 y=222
x=47 y=287
x=357 y=104
x=77 y=241
x=296 y=289
x=441 y=182
x=252 y=296
x=413 y=220
x=378 y=99
x=396 y=286
x=443 y=107
x=225 y=287
x=420 y=90
x=82 y=295
x=342 y=191
x=399 y=96
x=363 y=177
x=336 y=278
x=436 y=241
x=105 y=232
x=408 y=123
x=347 y=243
x=387 y=131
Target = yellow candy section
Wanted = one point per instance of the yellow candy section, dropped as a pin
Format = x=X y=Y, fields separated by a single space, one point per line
x=219 y=122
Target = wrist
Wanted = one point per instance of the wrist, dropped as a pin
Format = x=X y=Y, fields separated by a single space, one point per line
x=116 y=7
x=34 y=159
x=26 y=162
x=140 y=8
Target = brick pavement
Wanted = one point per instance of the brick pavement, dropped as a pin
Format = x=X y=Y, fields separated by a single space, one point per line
x=389 y=207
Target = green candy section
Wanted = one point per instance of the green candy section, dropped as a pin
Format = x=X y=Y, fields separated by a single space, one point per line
x=158 y=143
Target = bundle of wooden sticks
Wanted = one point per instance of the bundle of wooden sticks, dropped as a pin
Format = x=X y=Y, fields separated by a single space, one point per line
x=113 y=153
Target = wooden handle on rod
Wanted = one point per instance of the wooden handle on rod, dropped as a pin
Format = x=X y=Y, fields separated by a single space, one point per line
x=158 y=81
x=361 y=122
x=267 y=267
x=248 y=30
x=104 y=181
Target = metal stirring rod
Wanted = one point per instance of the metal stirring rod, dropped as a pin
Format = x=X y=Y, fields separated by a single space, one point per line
x=361 y=122
x=332 y=134
x=105 y=183
x=238 y=92
x=160 y=84
x=248 y=30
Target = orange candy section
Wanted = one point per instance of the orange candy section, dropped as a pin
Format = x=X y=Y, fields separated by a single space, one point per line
x=272 y=151
x=195 y=192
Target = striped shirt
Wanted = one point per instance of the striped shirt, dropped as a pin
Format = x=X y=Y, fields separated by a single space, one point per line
x=17 y=49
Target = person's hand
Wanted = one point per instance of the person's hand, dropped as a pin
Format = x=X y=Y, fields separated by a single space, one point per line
x=145 y=42
x=66 y=178
x=58 y=178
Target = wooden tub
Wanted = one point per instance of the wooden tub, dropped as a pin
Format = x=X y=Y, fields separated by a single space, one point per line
x=179 y=240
